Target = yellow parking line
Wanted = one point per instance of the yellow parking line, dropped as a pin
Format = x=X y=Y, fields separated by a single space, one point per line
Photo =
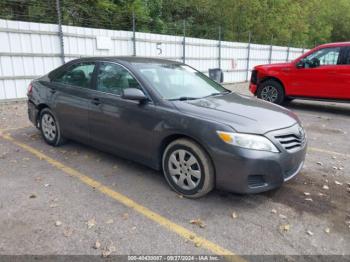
x=315 y=149
x=171 y=226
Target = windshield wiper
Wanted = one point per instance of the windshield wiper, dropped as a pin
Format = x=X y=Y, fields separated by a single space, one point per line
x=218 y=93
x=214 y=94
x=184 y=98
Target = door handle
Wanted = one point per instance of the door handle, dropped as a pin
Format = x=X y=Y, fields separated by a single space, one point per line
x=332 y=72
x=52 y=91
x=96 y=101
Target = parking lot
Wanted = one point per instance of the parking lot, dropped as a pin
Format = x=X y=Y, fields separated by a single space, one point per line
x=74 y=199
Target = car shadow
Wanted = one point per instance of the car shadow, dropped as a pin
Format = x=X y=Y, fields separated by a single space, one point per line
x=320 y=107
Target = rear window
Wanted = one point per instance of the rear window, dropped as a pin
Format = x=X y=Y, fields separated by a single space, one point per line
x=346 y=58
x=79 y=75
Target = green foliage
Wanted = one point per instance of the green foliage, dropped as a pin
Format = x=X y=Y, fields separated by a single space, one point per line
x=282 y=22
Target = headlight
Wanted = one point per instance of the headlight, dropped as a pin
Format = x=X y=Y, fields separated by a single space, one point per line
x=249 y=141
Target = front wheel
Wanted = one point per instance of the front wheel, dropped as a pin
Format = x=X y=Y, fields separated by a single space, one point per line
x=271 y=91
x=188 y=169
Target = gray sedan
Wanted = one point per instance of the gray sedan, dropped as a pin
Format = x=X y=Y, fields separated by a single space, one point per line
x=170 y=117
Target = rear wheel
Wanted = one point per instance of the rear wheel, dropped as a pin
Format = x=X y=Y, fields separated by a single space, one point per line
x=271 y=91
x=188 y=169
x=50 y=128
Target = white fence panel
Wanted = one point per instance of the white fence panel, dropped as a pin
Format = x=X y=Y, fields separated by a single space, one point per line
x=29 y=50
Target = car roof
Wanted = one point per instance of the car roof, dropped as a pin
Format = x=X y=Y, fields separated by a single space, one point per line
x=336 y=44
x=120 y=59
x=129 y=59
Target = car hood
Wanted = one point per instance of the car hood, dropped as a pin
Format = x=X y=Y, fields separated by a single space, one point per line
x=243 y=113
x=273 y=66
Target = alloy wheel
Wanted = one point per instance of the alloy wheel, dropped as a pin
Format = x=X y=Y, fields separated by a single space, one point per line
x=184 y=169
x=269 y=93
x=48 y=126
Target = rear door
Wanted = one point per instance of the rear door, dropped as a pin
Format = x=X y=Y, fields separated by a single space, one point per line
x=322 y=81
x=343 y=92
x=71 y=99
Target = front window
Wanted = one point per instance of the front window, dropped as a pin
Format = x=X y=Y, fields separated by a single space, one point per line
x=113 y=78
x=179 y=82
x=325 y=56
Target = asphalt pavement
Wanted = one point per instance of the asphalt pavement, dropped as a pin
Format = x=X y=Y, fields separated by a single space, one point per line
x=77 y=200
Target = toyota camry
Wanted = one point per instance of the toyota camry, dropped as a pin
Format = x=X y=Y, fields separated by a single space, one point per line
x=170 y=117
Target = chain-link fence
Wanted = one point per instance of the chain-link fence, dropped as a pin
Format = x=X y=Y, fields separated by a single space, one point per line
x=28 y=50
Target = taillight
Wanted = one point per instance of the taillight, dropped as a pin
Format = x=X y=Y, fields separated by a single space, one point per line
x=30 y=89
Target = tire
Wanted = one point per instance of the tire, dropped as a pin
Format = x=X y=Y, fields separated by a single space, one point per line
x=271 y=91
x=50 y=128
x=181 y=160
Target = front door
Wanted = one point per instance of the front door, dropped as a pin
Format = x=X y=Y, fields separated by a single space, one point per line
x=118 y=125
x=320 y=80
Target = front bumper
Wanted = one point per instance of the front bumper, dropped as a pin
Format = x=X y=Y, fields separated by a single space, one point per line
x=244 y=171
x=253 y=88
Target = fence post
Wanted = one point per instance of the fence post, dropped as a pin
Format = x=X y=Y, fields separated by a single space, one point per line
x=270 y=53
x=288 y=50
x=60 y=32
x=248 y=56
x=133 y=34
x=219 y=47
x=184 y=43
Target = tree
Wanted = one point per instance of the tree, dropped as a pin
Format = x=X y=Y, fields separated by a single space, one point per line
x=281 y=22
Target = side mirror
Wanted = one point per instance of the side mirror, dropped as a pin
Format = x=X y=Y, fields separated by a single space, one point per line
x=134 y=94
x=315 y=62
x=301 y=63
x=305 y=63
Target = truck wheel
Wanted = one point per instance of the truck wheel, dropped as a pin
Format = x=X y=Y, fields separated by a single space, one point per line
x=271 y=91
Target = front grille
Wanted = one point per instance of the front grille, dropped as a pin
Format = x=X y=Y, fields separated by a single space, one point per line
x=254 y=77
x=292 y=141
x=289 y=141
x=256 y=181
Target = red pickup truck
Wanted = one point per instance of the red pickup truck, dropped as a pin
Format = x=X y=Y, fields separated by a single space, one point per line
x=323 y=73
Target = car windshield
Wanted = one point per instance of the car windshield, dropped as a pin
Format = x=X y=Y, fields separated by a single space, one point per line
x=179 y=82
